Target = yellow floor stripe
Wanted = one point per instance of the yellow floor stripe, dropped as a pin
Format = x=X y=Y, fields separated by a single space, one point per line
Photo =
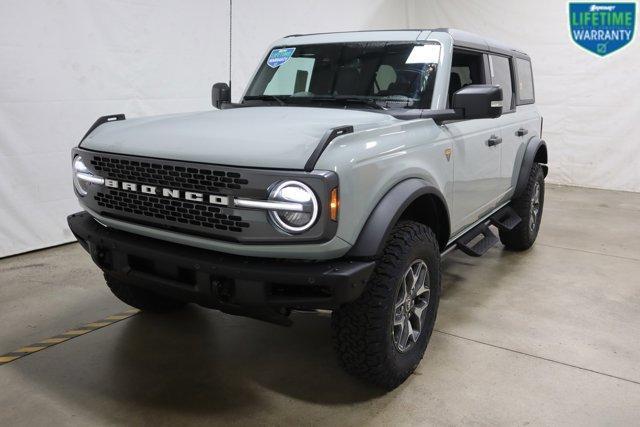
x=53 y=340
x=30 y=349
x=97 y=324
x=77 y=332
x=118 y=317
x=81 y=330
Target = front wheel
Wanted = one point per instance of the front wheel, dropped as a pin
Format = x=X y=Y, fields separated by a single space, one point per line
x=382 y=336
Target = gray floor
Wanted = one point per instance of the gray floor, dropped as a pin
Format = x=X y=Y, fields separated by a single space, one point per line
x=550 y=336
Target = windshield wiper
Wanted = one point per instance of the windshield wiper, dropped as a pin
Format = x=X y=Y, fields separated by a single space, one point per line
x=370 y=102
x=264 y=98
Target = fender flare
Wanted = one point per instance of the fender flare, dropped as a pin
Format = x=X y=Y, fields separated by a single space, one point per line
x=385 y=215
x=533 y=146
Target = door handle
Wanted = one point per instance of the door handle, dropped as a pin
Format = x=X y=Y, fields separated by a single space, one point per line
x=522 y=132
x=494 y=140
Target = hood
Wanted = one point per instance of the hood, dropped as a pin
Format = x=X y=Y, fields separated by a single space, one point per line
x=265 y=137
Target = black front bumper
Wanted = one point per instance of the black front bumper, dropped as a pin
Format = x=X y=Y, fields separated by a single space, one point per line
x=218 y=280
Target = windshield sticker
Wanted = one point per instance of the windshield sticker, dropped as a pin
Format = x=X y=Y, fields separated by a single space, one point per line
x=425 y=54
x=277 y=57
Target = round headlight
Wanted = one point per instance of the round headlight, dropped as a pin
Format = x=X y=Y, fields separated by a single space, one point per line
x=297 y=193
x=82 y=176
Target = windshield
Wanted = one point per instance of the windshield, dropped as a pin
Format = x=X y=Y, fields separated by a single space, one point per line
x=382 y=75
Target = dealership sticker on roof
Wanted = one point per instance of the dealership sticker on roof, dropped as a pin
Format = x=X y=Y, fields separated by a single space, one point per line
x=277 y=57
x=602 y=28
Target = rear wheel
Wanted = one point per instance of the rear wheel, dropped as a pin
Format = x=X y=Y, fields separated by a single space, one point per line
x=529 y=207
x=141 y=298
x=382 y=336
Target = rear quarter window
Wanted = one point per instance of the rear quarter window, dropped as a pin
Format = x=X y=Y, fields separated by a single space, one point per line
x=525 y=81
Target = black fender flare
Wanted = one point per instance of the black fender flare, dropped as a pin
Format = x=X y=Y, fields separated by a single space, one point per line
x=534 y=145
x=385 y=215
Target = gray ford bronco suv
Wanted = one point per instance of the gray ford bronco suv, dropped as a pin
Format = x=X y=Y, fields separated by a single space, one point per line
x=352 y=164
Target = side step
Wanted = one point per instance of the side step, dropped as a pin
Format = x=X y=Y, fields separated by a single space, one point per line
x=482 y=246
x=505 y=219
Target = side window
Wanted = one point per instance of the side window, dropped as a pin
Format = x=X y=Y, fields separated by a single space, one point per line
x=291 y=77
x=466 y=69
x=501 y=75
x=525 y=81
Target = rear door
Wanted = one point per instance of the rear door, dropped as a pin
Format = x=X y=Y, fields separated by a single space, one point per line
x=517 y=124
x=476 y=160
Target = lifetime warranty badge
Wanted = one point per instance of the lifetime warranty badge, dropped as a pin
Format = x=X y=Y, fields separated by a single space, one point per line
x=602 y=28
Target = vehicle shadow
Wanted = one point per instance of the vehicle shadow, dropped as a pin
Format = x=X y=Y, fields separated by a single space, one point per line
x=206 y=360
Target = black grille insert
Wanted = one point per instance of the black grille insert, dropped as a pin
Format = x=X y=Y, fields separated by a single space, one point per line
x=182 y=177
x=173 y=210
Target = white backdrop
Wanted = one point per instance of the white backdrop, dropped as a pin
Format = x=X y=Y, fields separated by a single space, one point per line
x=64 y=63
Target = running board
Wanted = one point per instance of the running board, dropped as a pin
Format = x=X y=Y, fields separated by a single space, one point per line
x=482 y=246
x=505 y=219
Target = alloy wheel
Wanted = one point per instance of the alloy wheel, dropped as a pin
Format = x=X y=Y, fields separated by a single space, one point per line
x=411 y=305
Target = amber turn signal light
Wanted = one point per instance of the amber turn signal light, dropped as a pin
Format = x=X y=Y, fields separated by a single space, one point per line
x=334 y=204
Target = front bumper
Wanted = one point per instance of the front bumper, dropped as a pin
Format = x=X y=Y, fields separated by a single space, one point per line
x=217 y=280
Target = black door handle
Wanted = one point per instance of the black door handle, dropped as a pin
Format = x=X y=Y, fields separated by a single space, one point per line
x=521 y=132
x=494 y=140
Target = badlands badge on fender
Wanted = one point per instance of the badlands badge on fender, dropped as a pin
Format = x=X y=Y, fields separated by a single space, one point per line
x=602 y=28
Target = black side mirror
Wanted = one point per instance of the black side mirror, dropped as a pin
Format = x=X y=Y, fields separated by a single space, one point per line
x=478 y=101
x=220 y=94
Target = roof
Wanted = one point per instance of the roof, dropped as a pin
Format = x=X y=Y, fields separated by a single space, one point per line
x=460 y=38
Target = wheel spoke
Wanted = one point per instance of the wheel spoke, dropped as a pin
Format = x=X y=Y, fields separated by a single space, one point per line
x=408 y=332
x=409 y=280
x=424 y=284
x=419 y=312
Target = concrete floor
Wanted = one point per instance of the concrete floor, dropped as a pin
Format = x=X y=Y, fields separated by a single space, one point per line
x=550 y=336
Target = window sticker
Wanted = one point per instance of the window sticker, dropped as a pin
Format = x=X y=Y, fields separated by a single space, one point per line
x=277 y=57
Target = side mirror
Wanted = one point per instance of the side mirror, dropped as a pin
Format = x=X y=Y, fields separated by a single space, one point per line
x=220 y=94
x=478 y=102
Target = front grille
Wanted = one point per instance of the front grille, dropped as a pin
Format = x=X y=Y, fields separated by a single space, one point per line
x=159 y=193
x=172 y=210
x=174 y=176
x=166 y=212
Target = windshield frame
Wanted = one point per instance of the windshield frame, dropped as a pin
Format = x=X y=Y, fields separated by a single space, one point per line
x=425 y=102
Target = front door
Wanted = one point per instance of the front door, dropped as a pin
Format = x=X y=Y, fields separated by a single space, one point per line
x=476 y=148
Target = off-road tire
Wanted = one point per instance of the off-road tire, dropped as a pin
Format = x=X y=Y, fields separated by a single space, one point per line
x=363 y=329
x=524 y=234
x=141 y=298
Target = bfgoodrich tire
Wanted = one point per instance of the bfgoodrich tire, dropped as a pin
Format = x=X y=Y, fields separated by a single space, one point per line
x=382 y=336
x=529 y=207
x=140 y=298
